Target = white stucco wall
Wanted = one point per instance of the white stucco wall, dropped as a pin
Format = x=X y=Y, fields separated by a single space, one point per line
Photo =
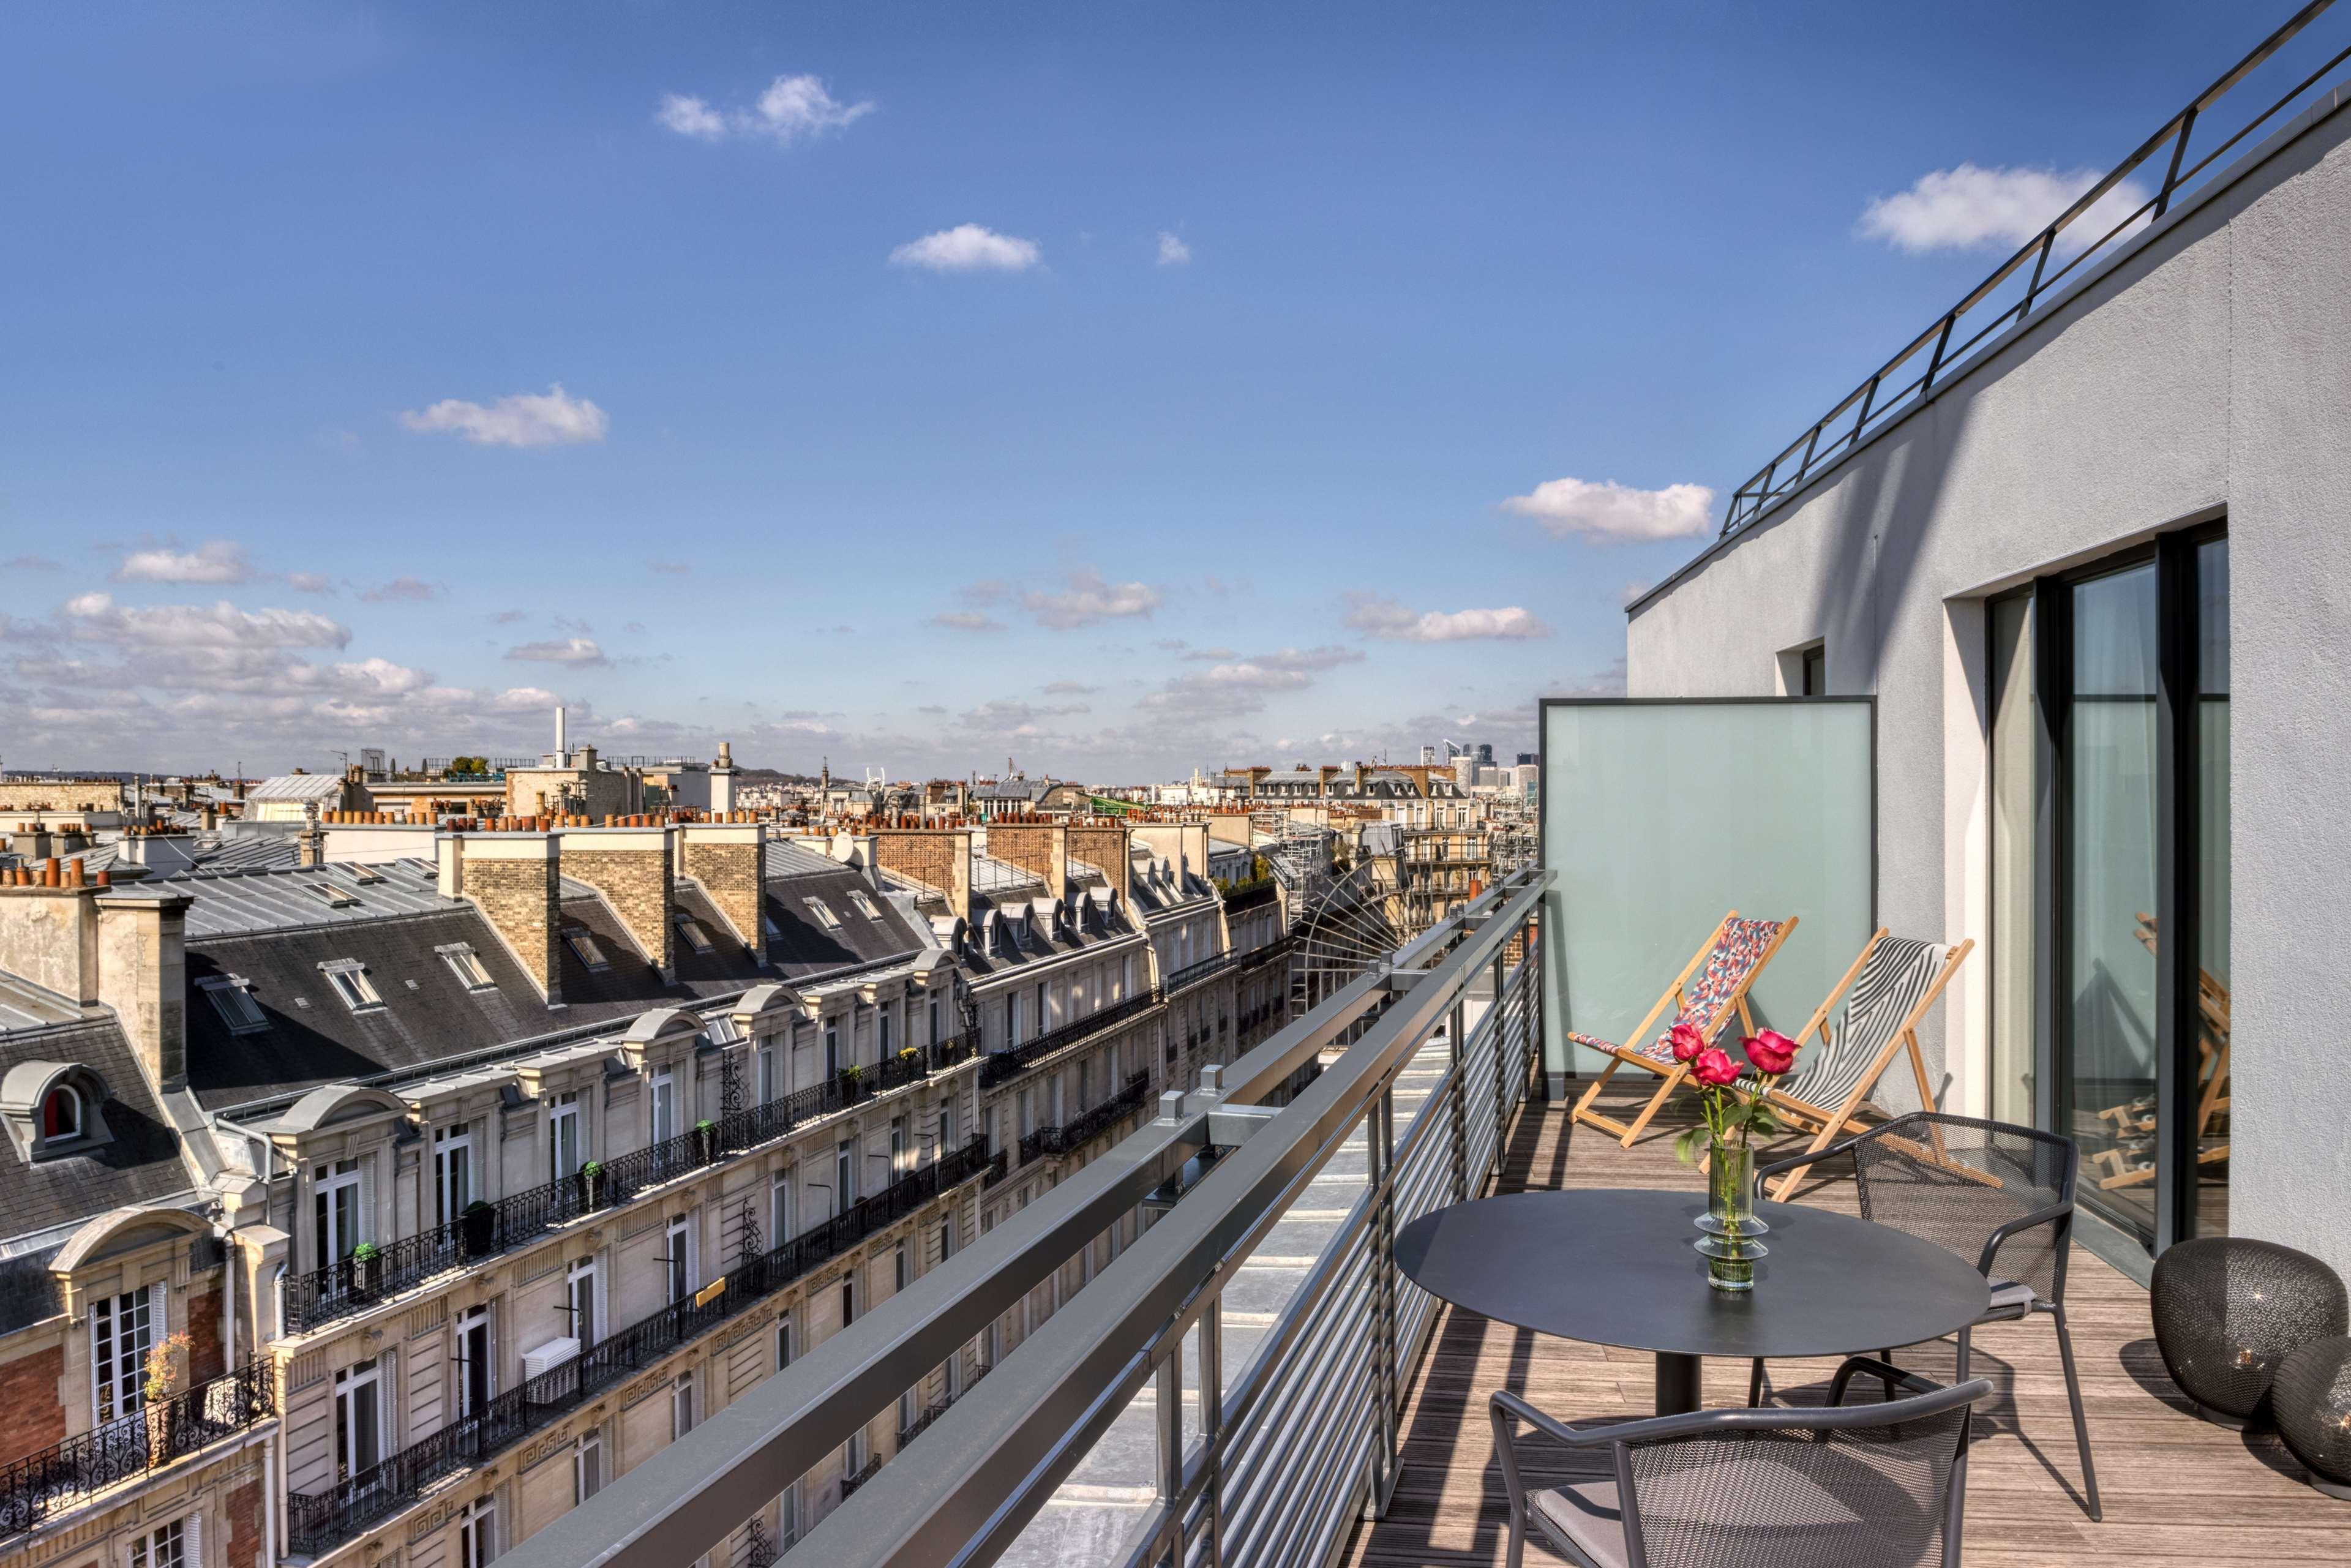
x=2208 y=372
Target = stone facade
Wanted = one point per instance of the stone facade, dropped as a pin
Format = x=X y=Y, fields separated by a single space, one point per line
x=61 y=795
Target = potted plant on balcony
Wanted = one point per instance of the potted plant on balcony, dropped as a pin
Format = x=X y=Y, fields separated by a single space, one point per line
x=477 y=1227
x=367 y=1267
x=590 y=1181
x=160 y=1378
x=851 y=1077
x=705 y=1140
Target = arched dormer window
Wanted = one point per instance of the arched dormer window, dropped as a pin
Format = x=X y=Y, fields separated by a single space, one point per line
x=61 y=1113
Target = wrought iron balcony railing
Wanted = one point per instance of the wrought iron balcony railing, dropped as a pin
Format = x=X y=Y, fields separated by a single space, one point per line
x=1090 y=1126
x=63 y=1474
x=1002 y=1066
x=321 y=1520
x=357 y=1282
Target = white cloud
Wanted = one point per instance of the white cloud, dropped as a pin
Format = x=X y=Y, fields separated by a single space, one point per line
x=969 y=247
x=310 y=582
x=96 y=618
x=29 y=563
x=1173 y=252
x=1240 y=687
x=1608 y=510
x=1086 y=597
x=553 y=418
x=403 y=590
x=218 y=561
x=576 y=650
x=1386 y=618
x=967 y=620
x=792 y=108
x=1971 y=206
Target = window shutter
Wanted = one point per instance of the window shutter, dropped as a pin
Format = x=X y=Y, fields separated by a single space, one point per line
x=159 y=1325
x=366 y=1199
x=191 y=1541
x=97 y=1368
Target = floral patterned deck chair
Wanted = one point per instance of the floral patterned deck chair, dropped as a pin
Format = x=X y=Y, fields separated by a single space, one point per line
x=1724 y=967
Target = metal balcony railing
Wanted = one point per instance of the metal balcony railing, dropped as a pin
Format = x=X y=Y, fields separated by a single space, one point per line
x=1090 y=1126
x=357 y=1282
x=321 y=1520
x=2088 y=228
x=63 y=1474
x=1285 y=1447
x=1002 y=1066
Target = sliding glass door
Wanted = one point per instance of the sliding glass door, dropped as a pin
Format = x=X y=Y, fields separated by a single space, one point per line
x=2109 y=877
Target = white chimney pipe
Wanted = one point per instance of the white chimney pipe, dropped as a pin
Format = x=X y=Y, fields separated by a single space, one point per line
x=560 y=755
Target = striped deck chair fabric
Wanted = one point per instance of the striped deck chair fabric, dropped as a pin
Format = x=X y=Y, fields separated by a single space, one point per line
x=1898 y=973
x=1735 y=955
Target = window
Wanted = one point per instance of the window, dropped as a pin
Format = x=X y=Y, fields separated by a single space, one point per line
x=1012 y=1019
x=844 y=1174
x=783 y=1208
x=478 y=1534
x=232 y=997
x=581 y=1283
x=775 y=932
x=61 y=1113
x=898 y=1275
x=466 y=965
x=783 y=1343
x=721 y=1030
x=453 y=1169
x=823 y=912
x=1815 y=675
x=848 y=1299
x=178 y=1544
x=664 y=1104
x=832 y=1049
x=681 y=1407
x=691 y=931
x=477 y=1364
x=352 y=983
x=359 y=1420
x=679 y=1258
x=584 y=948
x=336 y=1212
x=771 y=1081
x=902 y=1148
x=948 y=1128
x=587 y=1467
x=883 y=1037
x=934 y=1020
x=864 y=904
x=563 y=1149
x=121 y=1331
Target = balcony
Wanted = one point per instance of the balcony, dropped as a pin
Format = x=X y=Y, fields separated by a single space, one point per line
x=1003 y=1066
x=1091 y=1124
x=34 y=1488
x=358 y=1282
x=317 y=1522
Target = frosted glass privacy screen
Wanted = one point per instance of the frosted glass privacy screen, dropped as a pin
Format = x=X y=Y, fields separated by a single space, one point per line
x=1661 y=817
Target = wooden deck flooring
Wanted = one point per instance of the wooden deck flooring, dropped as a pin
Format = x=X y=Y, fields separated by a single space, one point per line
x=2176 y=1489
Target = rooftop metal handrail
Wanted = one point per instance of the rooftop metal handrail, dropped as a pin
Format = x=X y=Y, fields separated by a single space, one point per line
x=1883 y=396
x=1333 y=1371
x=1001 y=1066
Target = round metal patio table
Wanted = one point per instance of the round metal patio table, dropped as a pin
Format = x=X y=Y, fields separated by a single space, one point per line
x=1616 y=1268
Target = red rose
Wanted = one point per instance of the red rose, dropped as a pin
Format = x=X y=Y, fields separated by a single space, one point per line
x=1714 y=1067
x=1687 y=1042
x=1770 y=1052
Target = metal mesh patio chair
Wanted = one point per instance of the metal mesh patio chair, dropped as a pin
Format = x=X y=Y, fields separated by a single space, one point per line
x=1876 y=1485
x=1997 y=1194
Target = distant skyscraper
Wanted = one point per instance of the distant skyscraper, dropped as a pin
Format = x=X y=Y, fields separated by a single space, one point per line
x=1485 y=754
x=1528 y=759
x=1428 y=757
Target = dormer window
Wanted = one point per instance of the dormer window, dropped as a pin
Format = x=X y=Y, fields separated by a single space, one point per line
x=61 y=1114
x=232 y=997
x=349 y=978
x=690 y=932
x=823 y=912
x=466 y=965
x=583 y=947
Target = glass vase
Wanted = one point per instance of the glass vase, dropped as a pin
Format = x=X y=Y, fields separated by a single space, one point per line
x=1731 y=1192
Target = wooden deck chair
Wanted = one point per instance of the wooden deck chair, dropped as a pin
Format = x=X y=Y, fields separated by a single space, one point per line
x=1892 y=987
x=2132 y=1162
x=1725 y=966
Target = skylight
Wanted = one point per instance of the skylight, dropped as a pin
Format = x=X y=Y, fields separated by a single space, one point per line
x=466 y=965
x=232 y=998
x=864 y=904
x=352 y=983
x=690 y=929
x=333 y=897
x=823 y=912
x=583 y=947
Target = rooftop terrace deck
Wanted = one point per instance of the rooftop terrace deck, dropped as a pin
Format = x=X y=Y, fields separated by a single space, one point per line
x=2176 y=1489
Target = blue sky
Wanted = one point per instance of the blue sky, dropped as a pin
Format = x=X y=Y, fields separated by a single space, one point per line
x=1113 y=388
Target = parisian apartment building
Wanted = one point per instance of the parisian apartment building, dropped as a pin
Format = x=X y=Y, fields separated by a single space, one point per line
x=378 y=1189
